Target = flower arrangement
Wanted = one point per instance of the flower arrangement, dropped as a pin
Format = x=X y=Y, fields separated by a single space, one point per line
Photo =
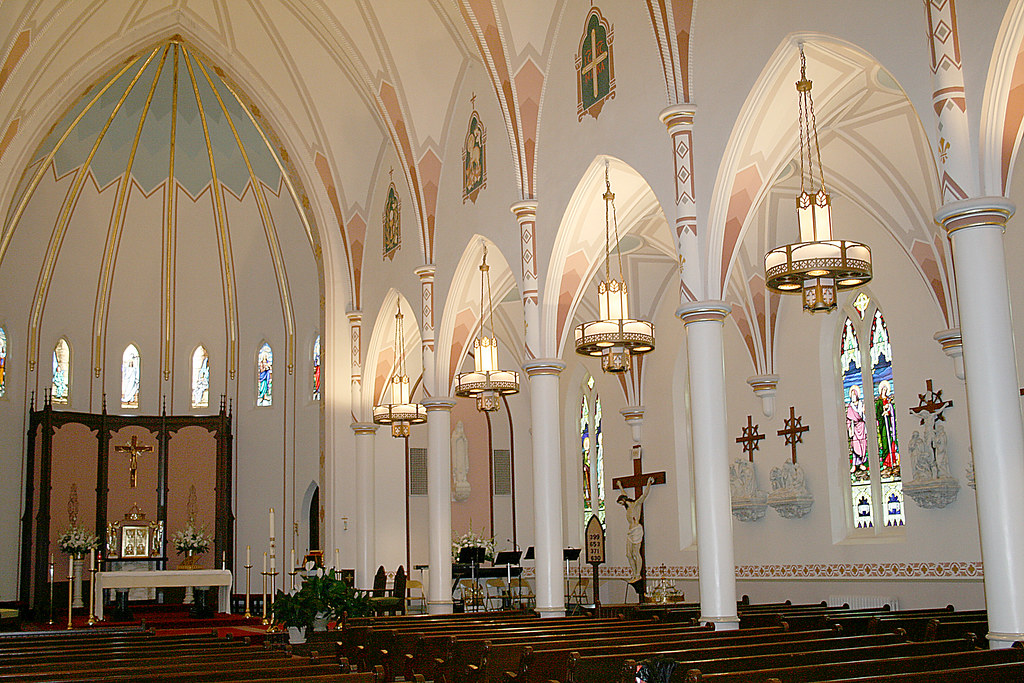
x=471 y=539
x=191 y=540
x=77 y=541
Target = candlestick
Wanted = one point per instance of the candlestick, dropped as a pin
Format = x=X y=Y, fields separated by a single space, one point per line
x=223 y=559
x=271 y=522
x=293 y=559
x=92 y=591
x=71 y=579
x=248 y=559
x=51 y=590
x=337 y=559
x=263 y=599
x=248 y=568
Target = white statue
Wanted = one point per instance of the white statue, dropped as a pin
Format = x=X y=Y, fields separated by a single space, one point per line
x=460 y=463
x=748 y=502
x=790 y=496
x=923 y=469
x=635 y=532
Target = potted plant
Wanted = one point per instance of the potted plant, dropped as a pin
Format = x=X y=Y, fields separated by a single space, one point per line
x=296 y=611
x=334 y=598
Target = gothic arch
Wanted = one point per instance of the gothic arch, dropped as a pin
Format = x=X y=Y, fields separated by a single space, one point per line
x=381 y=356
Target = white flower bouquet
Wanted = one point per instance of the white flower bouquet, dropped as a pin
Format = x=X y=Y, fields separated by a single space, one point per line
x=192 y=541
x=77 y=541
x=471 y=539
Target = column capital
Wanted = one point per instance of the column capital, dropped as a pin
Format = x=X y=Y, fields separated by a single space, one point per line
x=543 y=366
x=703 y=311
x=525 y=210
x=976 y=212
x=353 y=313
x=426 y=271
x=678 y=115
x=763 y=385
x=364 y=427
x=632 y=413
x=438 y=403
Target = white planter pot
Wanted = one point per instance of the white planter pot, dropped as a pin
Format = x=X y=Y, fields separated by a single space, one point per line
x=320 y=623
x=296 y=634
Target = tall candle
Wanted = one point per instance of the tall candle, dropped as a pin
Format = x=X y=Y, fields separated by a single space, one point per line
x=337 y=558
x=71 y=566
x=51 y=567
x=271 y=522
x=273 y=564
x=293 y=560
x=264 y=563
x=248 y=558
x=92 y=559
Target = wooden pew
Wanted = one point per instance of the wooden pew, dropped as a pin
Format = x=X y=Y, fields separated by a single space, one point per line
x=939 y=629
x=868 y=667
x=588 y=665
x=989 y=673
x=856 y=622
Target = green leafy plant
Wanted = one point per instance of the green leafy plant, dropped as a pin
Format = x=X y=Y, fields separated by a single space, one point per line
x=297 y=609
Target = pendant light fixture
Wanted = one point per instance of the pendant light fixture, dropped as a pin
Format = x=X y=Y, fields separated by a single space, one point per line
x=615 y=337
x=401 y=411
x=486 y=383
x=816 y=266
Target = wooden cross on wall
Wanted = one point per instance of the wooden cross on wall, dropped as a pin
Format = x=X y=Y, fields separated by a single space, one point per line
x=793 y=431
x=133 y=449
x=637 y=481
x=750 y=438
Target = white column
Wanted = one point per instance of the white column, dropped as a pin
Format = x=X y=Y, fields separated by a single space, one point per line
x=365 y=501
x=426 y=275
x=439 y=503
x=526 y=215
x=975 y=228
x=547 y=485
x=706 y=362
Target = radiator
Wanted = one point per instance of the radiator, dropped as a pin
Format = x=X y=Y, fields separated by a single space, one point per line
x=864 y=601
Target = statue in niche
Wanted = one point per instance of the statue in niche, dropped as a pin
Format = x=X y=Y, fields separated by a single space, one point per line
x=460 y=463
x=748 y=502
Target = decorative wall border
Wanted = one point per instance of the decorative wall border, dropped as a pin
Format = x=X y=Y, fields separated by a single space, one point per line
x=840 y=571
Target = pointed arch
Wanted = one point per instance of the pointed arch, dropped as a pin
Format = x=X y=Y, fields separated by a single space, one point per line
x=579 y=248
x=876 y=155
x=381 y=355
x=1002 y=110
x=460 y=320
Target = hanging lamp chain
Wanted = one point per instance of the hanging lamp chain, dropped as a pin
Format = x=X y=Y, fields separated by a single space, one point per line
x=487 y=314
x=808 y=132
x=611 y=224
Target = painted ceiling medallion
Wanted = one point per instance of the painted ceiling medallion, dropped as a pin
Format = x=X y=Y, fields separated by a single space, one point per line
x=474 y=159
x=595 y=66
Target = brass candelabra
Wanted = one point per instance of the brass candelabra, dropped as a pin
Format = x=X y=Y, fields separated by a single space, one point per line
x=248 y=568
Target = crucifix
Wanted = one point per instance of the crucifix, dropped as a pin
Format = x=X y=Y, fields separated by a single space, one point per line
x=750 y=438
x=640 y=482
x=934 y=405
x=595 y=60
x=793 y=432
x=133 y=449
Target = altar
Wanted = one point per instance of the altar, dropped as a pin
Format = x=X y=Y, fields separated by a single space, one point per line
x=221 y=578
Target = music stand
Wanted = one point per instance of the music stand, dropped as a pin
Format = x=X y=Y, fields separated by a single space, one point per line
x=529 y=554
x=569 y=555
x=473 y=556
x=509 y=558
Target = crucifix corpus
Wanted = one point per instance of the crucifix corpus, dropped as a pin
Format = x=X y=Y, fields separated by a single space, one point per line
x=641 y=483
x=133 y=449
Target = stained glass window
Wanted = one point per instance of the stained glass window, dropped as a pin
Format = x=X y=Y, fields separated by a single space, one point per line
x=200 y=378
x=885 y=422
x=130 y=373
x=875 y=487
x=316 y=369
x=61 y=388
x=264 y=375
x=3 y=361
x=591 y=453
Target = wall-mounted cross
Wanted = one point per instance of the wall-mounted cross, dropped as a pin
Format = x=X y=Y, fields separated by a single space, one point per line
x=750 y=438
x=793 y=432
x=596 y=58
x=933 y=405
x=133 y=449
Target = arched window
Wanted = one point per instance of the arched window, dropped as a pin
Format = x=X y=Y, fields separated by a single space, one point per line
x=264 y=375
x=3 y=361
x=200 y=378
x=865 y=358
x=130 y=373
x=316 y=369
x=61 y=388
x=591 y=453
